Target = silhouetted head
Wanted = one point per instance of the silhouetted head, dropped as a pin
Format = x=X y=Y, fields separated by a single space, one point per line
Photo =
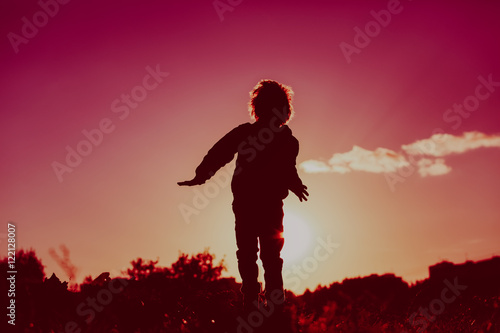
x=270 y=99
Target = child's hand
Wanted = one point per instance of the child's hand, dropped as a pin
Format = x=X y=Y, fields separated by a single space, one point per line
x=192 y=182
x=300 y=192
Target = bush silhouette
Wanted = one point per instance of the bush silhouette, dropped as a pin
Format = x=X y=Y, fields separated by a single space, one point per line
x=191 y=296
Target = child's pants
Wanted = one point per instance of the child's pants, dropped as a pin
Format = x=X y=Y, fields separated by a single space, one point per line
x=259 y=221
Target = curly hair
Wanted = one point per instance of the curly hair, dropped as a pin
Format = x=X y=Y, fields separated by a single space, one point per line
x=269 y=95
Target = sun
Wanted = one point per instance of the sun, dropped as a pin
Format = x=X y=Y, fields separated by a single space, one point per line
x=297 y=234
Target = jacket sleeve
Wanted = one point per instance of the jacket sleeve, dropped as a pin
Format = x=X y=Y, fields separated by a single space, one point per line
x=293 y=177
x=220 y=154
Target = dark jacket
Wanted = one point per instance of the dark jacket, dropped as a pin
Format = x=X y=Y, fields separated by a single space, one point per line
x=265 y=166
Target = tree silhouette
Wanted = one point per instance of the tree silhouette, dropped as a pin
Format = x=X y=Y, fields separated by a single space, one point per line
x=200 y=267
x=27 y=263
x=195 y=267
x=141 y=269
x=191 y=296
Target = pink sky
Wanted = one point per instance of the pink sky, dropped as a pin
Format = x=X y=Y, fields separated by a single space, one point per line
x=122 y=202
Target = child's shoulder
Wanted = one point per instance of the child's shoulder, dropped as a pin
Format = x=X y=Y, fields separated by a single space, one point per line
x=243 y=127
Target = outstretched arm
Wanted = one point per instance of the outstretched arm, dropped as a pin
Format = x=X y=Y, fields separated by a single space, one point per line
x=218 y=156
x=191 y=182
x=300 y=191
x=296 y=186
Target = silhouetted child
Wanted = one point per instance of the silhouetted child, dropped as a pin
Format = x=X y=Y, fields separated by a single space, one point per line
x=265 y=171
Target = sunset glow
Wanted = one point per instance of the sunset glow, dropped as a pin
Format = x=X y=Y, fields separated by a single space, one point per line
x=298 y=238
x=111 y=103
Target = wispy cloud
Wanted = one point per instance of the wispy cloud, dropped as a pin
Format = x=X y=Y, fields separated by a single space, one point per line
x=422 y=154
x=314 y=166
x=359 y=159
x=432 y=167
x=444 y=144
